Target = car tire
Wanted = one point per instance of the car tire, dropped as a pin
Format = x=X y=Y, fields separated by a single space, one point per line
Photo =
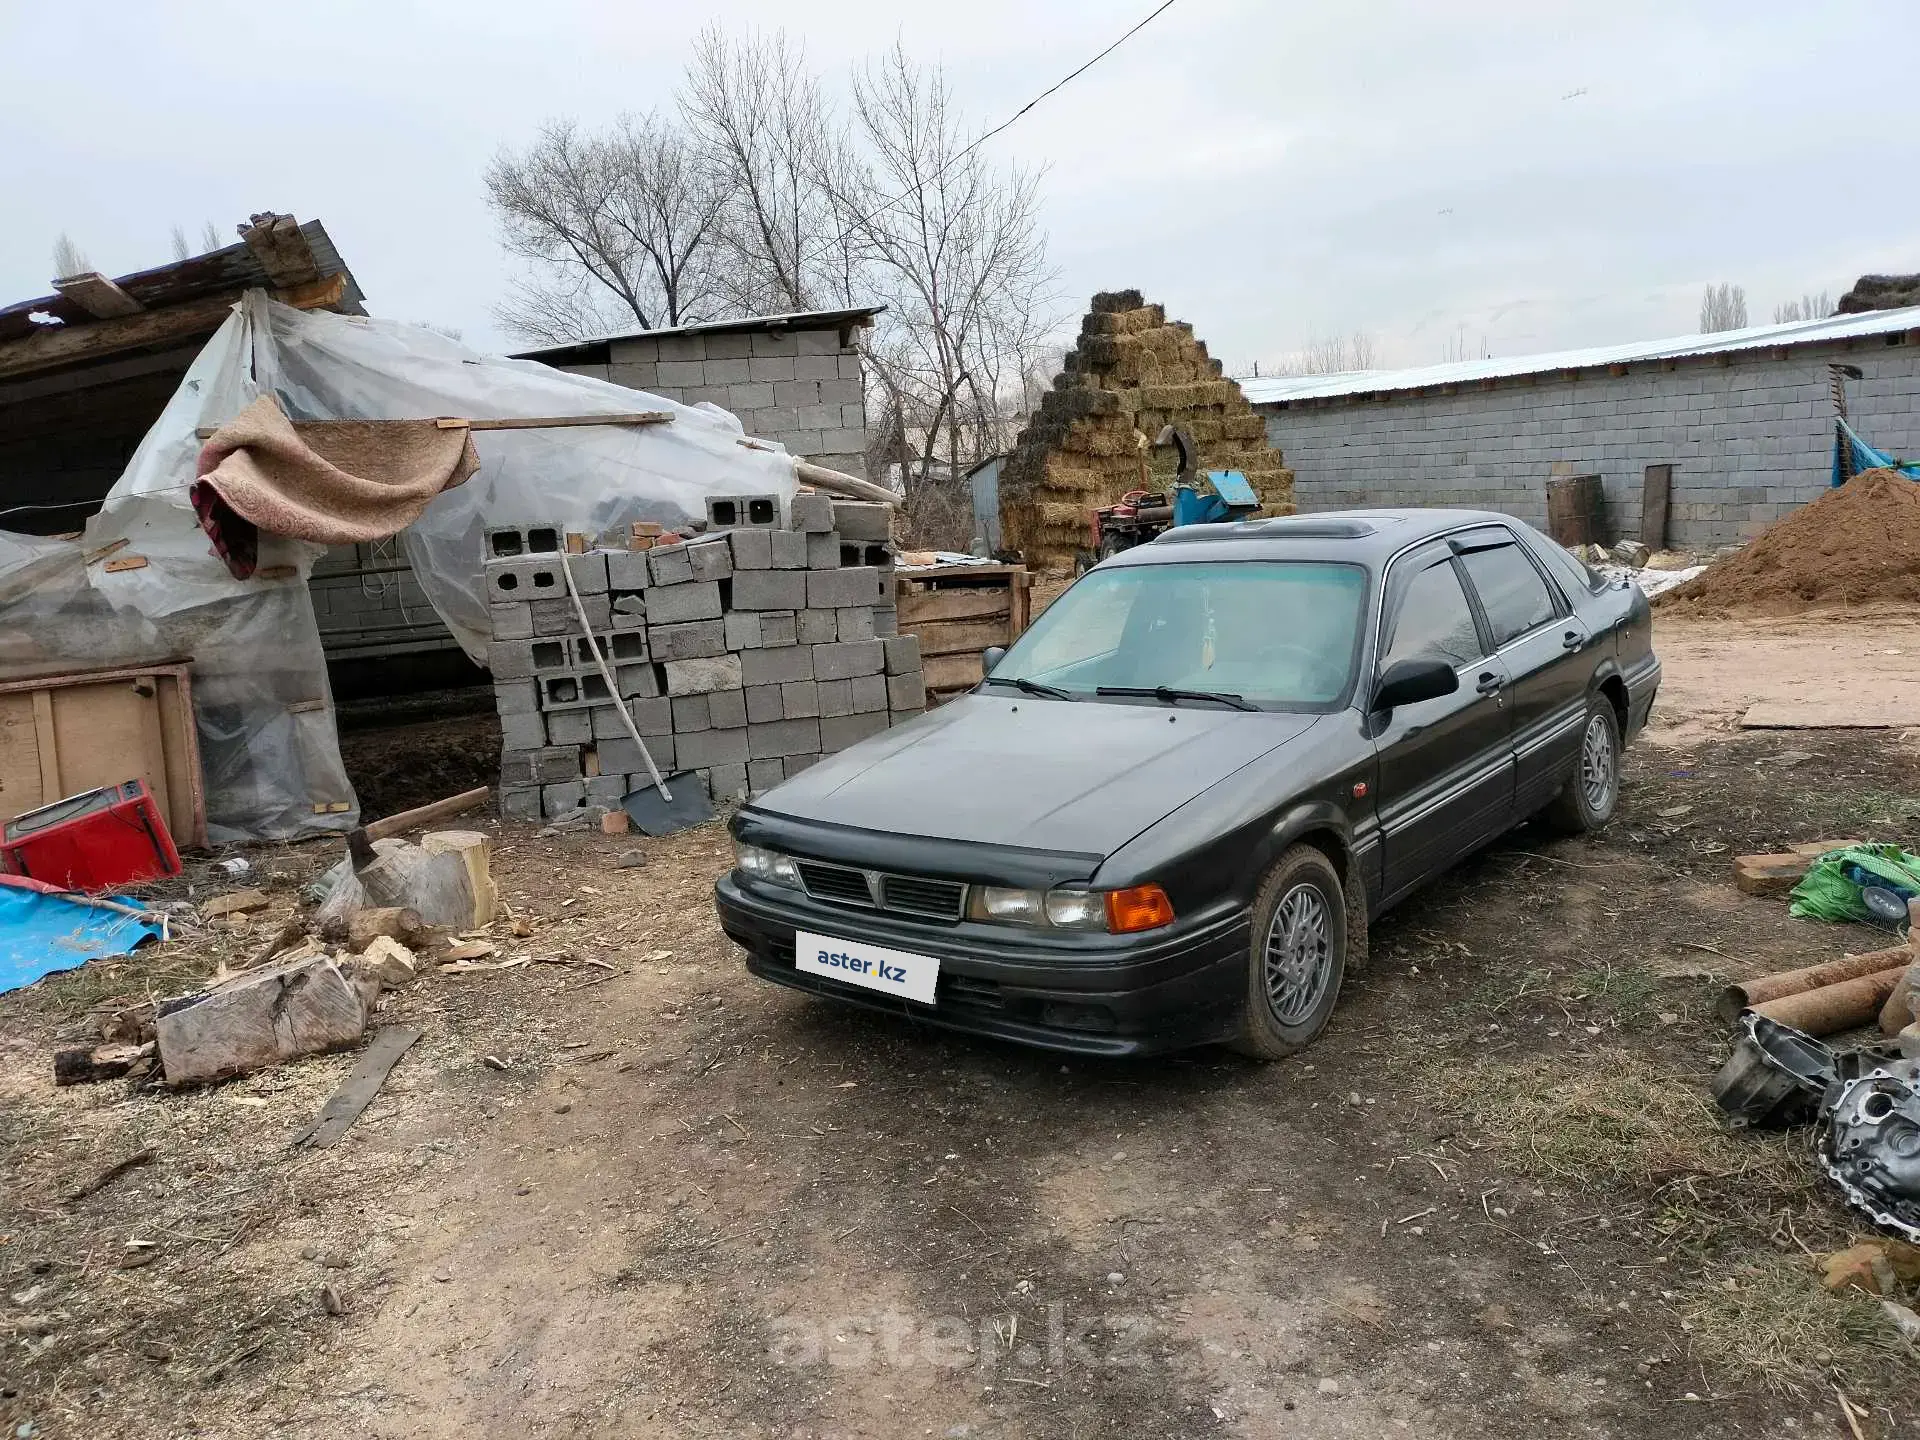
x=1592 y=794
x=1296 y=955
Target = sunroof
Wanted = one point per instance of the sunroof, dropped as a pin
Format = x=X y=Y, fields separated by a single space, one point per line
x=1286 y=527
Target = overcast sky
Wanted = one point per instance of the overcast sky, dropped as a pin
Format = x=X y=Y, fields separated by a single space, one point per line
x=1518 y=176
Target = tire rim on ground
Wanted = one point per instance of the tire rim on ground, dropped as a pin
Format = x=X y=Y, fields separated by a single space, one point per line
x=1596 y=765
x=1299 y=955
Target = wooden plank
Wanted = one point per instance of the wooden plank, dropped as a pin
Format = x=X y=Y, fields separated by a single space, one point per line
x=20 y=781
x=180 y=754
x=559 y=422
x=49 y=748
x=72 y=344
x=920 y=607
x=1777 y=874
x=98 y=296
x=1883 y=711
x=1656 y=491
x=282 y=250
x=356 y=1092
x=950 y=672
x=960 y=637
x=125 y=562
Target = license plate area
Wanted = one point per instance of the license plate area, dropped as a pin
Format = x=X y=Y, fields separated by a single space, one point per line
x=872 y=967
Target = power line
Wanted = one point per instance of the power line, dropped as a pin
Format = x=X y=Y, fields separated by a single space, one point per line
x=1062 y=84
x=1003 y=126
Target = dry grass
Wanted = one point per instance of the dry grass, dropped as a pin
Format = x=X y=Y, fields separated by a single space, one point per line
x=1746 y=1209
x=1615 y=1118
x=1779 y=1322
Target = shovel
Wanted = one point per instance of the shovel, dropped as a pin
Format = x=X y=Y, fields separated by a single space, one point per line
x=657 y=811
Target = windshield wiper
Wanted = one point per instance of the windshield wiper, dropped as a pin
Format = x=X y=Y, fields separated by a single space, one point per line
x=1169 y=695
x=1033 y=687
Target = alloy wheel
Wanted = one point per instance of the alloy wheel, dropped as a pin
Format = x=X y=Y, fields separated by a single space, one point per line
x=1597 y=766
x=1299 y=955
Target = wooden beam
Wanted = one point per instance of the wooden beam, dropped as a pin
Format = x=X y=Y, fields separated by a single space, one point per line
x=560 y=422
x=276 y=242
x=73 y=344
x=98 y=296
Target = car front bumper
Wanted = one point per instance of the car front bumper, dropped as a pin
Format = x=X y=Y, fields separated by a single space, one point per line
x=1124 y=995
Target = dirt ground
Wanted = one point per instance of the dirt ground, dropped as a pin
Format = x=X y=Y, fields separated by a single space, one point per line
x=666 y=1200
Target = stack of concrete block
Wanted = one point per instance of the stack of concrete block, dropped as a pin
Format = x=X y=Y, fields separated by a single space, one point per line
x=743 y=654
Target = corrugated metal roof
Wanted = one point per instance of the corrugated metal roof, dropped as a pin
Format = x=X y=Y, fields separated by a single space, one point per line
x=588 y=351
x=1282 y=388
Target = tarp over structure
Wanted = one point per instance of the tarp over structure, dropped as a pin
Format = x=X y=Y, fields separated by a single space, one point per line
x=265 y=713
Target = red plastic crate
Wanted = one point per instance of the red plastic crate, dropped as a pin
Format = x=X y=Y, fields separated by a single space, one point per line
x=92 y=841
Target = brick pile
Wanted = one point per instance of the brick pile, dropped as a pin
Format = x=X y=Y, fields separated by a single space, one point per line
x=1131 y=372
x=743 y=654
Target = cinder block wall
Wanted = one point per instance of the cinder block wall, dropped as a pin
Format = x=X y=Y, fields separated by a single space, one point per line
x=1749 y=439
x=802 y=388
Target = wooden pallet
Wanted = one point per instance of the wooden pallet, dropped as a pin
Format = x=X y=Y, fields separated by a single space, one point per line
x=958 y=611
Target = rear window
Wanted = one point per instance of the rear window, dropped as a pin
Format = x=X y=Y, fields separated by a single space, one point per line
x=1511 y=591
x=1283 y=633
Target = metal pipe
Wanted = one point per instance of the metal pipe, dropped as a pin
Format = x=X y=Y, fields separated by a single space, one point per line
x=1753 y=994
x=1833 y=1008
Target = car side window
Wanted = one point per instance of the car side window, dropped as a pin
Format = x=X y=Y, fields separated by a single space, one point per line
x=1434 y=621
x=1511 y=591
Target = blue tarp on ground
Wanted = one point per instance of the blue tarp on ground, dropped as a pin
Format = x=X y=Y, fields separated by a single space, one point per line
x=1851 y=455
x=43 y=930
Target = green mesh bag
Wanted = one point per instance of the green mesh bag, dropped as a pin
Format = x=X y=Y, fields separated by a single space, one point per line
x=1827 y=892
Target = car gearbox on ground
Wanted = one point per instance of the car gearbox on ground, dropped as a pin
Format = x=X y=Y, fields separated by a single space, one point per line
x=1167 y=815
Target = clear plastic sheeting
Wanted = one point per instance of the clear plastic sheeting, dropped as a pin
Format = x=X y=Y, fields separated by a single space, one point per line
x=268 y=742
x=591 y=478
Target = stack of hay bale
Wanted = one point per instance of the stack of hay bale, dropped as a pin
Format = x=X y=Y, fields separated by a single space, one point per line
x=1131 y=372
x=743 y=654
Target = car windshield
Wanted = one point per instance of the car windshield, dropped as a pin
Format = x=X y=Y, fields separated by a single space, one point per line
x=1279 y=633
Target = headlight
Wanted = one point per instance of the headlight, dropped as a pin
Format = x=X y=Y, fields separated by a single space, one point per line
x=1021 y=907
x=767 y=865
x=1046 y=909
x=1076 y=910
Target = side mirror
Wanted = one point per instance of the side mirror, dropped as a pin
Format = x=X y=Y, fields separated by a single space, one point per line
x=990 y=657
x=1410 y=681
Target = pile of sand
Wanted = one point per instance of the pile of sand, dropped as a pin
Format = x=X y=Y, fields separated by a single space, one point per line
x=1858 y=545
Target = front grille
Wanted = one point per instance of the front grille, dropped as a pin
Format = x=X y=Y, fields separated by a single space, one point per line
x=832 y=882
x=900 y=894
x=920 y=896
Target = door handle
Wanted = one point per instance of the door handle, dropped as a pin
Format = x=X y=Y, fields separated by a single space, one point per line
x=1489 y=684
x=1572 y=640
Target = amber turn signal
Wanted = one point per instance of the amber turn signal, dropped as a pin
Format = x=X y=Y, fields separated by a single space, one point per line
x=1143 y=907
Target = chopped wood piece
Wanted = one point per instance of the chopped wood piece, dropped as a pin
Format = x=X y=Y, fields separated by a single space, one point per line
x=474 y=851
x=86 y=1064
x=235 y=902
x=1778 y=874
x=468 y=950
x=361 y=928
x=260 y=1019
x=390 y=961
x=125 y=562
x=356 y=1092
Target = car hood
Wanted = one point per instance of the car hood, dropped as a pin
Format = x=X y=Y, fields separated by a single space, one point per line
x=1081 y=776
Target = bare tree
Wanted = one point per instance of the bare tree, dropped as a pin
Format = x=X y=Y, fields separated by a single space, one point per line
x=619 y=229
x=765 y=123
x=210 y=239
x=954 y=247
x=68 y=258
x=1723 y=307
x=1328 y=355
x=180 y=250
x=1807 y=307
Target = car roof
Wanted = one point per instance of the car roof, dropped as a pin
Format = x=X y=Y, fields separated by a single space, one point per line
x=1364 y=537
